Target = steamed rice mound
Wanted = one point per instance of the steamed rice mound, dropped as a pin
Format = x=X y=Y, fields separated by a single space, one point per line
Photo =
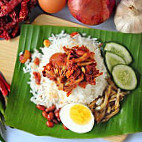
x=47 y=92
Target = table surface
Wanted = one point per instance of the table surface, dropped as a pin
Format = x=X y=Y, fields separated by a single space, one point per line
x=14 y=135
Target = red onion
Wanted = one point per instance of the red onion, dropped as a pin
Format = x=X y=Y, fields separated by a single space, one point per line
x=91 y=12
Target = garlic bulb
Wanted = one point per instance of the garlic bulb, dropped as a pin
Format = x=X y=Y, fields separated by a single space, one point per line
x=128 y=16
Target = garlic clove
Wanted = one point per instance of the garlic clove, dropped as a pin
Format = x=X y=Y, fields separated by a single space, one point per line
x=128 y=16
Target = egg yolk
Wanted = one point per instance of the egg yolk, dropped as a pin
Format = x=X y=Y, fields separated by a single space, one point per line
x=80 y=114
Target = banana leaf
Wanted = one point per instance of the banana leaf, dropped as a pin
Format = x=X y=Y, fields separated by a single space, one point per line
x=22 y=114
x=2 y=127
x=1 y=130
x=2 y=104
x=1 y=139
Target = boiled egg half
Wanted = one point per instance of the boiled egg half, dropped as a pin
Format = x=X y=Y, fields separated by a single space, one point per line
x=77 y=117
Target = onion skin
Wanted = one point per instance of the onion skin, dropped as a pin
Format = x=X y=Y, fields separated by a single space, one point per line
x=91 y=12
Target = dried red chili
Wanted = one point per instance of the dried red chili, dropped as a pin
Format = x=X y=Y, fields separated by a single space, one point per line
x=3 y=89
x=32 y=3
x=24 y=10
x=5 y=35
x=9 y=7
x=5 y=83
x=11 y=14
x=15 y=30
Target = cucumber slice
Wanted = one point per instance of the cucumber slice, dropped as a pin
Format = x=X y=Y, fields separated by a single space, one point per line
x=119 y=50
x=113 y=60
x=124 y=77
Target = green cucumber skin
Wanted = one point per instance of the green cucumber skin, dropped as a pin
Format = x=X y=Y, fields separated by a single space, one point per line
x=119 y=50
x=132 y=85
x=108 y=55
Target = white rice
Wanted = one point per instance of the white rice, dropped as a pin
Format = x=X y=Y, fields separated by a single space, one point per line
x=47 y=92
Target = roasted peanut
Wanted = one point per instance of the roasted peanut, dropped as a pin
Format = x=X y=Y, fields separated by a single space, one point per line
x=52 y=108
x=57 y=114
x=57 y=110
x=65 y=127
x=50 y=124
x=59 y=120
x=40 y=107
x=50 y=116
x=55 y=121
x=44 y=114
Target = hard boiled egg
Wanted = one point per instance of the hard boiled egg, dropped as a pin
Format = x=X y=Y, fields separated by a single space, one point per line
x=52 y=6
x=77 y=117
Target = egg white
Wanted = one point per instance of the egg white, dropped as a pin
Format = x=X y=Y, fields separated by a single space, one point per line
x=67 y=121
